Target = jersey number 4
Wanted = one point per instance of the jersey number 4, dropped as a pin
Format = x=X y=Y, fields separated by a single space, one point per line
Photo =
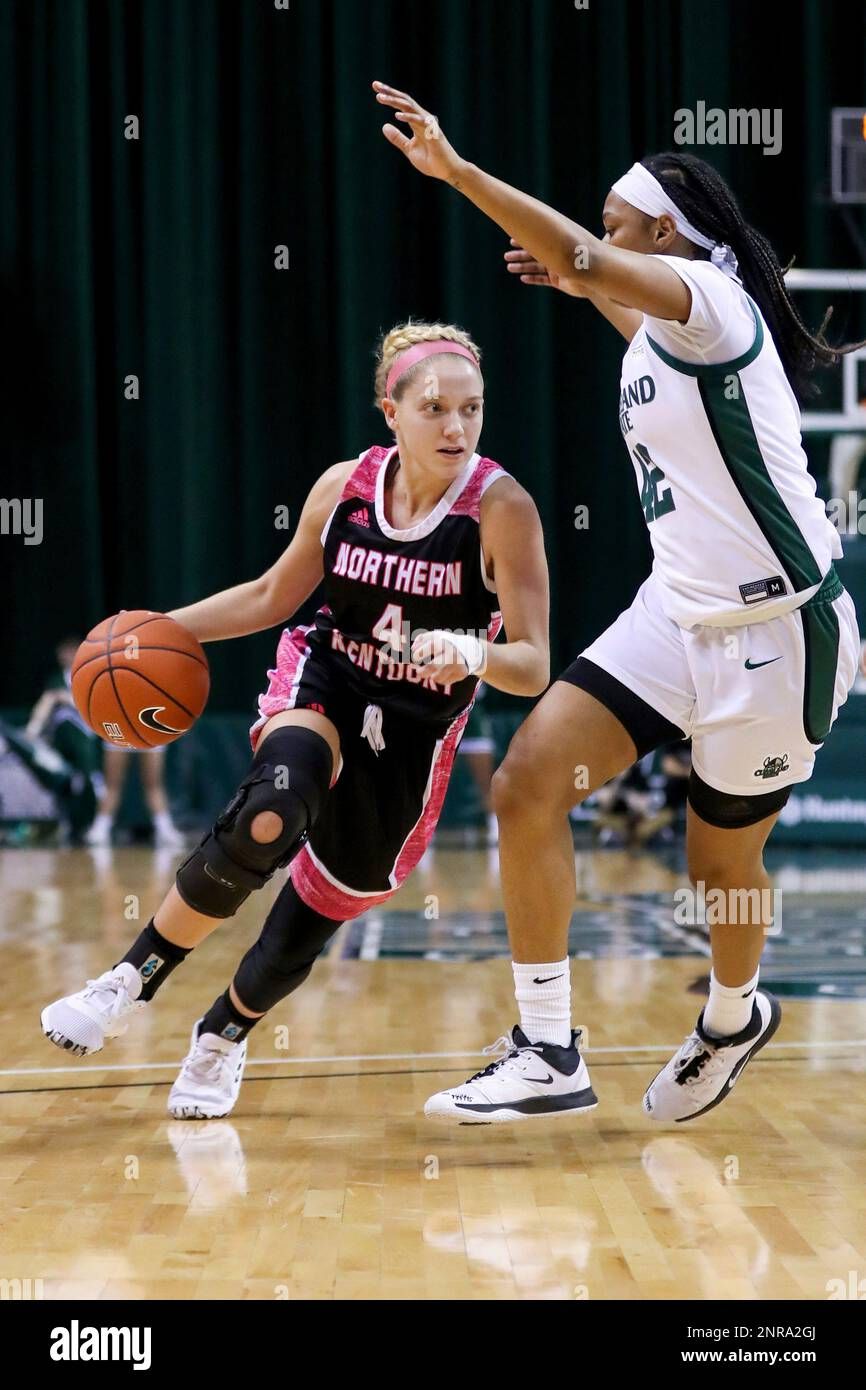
x=654 y=503
x=389 y=628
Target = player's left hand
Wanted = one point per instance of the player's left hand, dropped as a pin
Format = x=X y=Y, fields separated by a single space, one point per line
x=438 y=658
x=532 y=272
x=427 y=149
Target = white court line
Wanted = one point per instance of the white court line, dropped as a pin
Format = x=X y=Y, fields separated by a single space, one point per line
x=251 y=1062
x=385 y=1057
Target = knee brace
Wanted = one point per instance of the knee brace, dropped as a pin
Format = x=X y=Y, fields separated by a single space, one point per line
x=289 y=776
x=282 y=958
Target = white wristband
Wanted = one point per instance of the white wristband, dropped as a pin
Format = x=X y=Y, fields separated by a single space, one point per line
x=470 y=648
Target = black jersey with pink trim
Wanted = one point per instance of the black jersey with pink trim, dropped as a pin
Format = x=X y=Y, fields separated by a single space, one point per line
x=378 y=578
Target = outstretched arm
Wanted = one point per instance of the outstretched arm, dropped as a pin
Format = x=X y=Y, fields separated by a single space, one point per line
x=280 y=591
x=531 y=272
x=567 y=249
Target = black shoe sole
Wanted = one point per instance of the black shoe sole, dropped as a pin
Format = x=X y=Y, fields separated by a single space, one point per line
x=534 y=1108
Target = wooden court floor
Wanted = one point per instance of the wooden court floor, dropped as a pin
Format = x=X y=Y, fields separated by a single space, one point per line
x=328 y=1183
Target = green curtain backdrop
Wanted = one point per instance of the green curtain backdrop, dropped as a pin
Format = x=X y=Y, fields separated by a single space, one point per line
x=155 y=257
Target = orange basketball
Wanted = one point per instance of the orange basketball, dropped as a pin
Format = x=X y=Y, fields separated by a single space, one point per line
x=140 y=680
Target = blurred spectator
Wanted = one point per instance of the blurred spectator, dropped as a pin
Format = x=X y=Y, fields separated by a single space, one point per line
x=56 y=720
x=641 y=805
x=40 y=790
x=151 y=766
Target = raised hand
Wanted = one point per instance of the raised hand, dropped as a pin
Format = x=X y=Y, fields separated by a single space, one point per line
x=532 y=272
x=426 y=147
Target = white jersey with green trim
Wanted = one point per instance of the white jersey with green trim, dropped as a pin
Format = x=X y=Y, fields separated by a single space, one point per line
x=713 y=430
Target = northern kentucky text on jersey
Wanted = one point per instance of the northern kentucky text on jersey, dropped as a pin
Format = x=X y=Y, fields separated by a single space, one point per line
x=371 y=657
x=426 y=578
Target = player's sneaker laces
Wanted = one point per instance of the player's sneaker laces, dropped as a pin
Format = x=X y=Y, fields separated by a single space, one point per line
x=210 y=1078
x=530 y=1080
x=82 y=1023
x=704 y=1070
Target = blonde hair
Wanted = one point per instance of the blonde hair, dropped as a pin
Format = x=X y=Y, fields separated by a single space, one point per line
x=406 y=335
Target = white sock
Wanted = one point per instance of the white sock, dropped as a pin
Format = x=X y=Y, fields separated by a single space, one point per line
x=729 y=1007
x=543 y=994
x=101 y=822
x=162 y=821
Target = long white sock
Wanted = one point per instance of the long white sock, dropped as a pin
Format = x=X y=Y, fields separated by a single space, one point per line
x=729 y=1007
x=543 y=994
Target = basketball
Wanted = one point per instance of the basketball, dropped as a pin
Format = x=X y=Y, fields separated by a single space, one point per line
x=140 y=680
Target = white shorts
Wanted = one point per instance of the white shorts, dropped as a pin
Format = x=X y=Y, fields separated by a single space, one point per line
x=757 y=701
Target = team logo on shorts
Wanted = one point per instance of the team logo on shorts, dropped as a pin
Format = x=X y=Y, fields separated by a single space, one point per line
x=772 y=767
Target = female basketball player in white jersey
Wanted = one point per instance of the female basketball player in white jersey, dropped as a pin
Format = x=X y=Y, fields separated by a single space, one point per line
x=426 y=550
x=742 y=638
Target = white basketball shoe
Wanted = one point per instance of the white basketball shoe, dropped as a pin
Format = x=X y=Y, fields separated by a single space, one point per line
x=82 y=1023
x=704 y=1070
x=530 y=1081
x=209 y=1080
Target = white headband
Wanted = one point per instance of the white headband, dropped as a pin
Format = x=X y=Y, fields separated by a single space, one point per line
x=644 y=192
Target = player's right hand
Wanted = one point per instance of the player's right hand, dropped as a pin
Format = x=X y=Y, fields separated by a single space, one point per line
x=427 y=150
x=532 y=272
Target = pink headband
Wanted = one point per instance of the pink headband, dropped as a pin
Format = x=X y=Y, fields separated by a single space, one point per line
x=417 y=353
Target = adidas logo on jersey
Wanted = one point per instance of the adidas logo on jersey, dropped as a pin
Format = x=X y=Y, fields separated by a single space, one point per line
x=360 y=517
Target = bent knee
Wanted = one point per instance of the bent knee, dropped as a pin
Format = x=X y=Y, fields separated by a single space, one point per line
x=714 y=871
x=266 y=827
x=522 y=787
x=510 y=787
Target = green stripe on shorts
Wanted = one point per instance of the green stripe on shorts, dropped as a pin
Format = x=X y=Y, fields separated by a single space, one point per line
x=821 y=638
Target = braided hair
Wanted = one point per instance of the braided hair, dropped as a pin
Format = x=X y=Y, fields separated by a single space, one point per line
x=406 y=335
x=708 y=203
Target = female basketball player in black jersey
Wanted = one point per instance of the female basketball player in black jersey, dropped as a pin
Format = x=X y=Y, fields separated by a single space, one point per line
x=426 y=549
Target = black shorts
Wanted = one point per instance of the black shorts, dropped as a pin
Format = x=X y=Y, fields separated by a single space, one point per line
x=382 y=809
